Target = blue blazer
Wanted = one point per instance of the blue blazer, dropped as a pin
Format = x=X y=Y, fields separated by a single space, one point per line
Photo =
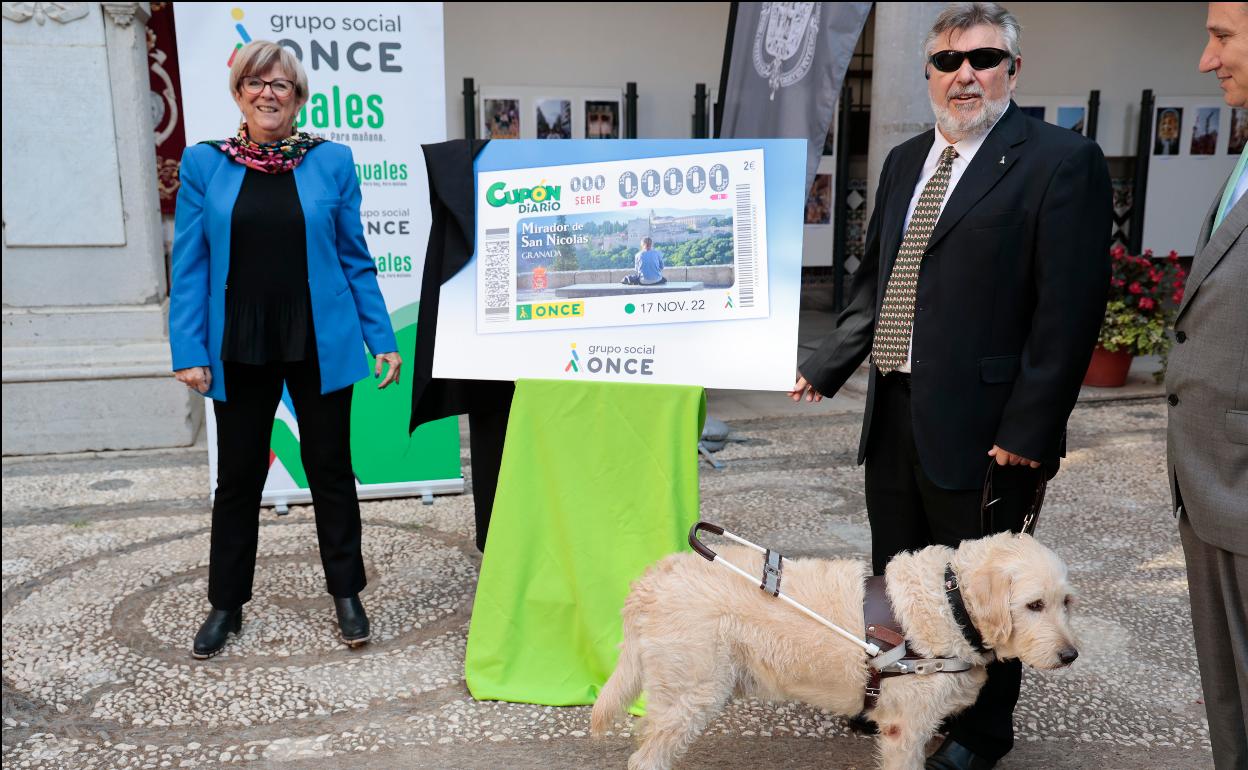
x=347 y=307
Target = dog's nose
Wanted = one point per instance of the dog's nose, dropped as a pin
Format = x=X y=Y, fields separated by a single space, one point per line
x=1068 y=655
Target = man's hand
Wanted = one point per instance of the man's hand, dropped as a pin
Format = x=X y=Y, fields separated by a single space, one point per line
x=392 y=375
x=1004 y=457
x=804 y=388
x=197 y=378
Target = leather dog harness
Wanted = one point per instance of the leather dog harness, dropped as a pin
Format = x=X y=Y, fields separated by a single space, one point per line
x=885 y=644
x=896 y=658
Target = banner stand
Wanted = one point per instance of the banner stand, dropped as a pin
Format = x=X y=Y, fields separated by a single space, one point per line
x=376 y=84
x=282 y=499
x=598 y=481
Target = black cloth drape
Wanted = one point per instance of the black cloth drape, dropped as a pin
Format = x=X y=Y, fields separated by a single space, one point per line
x=486 y=402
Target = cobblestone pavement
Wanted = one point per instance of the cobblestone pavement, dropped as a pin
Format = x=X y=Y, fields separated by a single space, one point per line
x=105 y=577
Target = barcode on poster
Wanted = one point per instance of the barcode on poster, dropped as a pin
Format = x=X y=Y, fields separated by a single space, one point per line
x=497 y=274
x=745 y=247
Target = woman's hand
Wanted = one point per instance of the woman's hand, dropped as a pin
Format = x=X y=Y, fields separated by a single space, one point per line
x=392 y=375
x=197 y=378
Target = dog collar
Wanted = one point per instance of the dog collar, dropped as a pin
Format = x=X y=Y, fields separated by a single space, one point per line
x=953 y=593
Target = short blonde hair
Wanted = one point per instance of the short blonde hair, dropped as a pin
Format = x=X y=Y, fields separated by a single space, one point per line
x=258 y=56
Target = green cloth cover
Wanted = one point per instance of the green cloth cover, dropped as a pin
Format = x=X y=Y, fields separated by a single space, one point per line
x=599 y=481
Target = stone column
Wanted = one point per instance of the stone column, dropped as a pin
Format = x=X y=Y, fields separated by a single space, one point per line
x=86 y=357
x=900 y=107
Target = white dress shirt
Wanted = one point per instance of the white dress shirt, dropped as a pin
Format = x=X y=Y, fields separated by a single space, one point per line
x=966 y=153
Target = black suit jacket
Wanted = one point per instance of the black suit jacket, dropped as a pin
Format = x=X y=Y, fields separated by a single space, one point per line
x=1010 y=300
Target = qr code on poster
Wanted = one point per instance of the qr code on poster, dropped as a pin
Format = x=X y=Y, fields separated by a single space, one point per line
x=497 y=274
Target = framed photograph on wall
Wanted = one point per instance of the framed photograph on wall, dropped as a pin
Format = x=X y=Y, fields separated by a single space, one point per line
x=502 y=118
x=1072 y=118
x=553 y=118
x=819 y=201
x=1205 y=131
x=602 y=120
x=551 y=112
x=1166 y=130
x=1239 y=131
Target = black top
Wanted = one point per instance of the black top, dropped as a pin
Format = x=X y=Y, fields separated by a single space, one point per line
x=268 y=309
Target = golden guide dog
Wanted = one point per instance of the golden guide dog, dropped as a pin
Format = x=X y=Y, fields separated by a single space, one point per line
x=695 y=633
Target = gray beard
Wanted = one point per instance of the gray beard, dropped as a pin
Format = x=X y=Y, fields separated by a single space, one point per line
x=956 y=128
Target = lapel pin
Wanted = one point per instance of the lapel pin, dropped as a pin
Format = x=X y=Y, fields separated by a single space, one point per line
x=1002 y=160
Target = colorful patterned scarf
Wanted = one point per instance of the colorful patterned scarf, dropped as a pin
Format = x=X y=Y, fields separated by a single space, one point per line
x=271 y=158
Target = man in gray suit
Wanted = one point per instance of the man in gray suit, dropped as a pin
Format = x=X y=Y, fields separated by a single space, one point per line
x=1207 y=440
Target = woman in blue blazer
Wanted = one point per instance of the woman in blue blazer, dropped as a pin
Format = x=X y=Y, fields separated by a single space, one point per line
x=273 y=284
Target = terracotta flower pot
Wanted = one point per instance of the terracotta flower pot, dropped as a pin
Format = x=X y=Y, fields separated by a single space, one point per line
x=1108 y=370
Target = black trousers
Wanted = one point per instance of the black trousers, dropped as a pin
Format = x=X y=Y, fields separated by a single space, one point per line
x=907 y=512
x=244 y=428
x=487 y=429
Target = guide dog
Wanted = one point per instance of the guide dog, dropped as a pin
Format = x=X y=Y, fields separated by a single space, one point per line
x=695 y=634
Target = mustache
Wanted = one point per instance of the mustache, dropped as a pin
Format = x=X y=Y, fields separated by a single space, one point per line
x=965 y=91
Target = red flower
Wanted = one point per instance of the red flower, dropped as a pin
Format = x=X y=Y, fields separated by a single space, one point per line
x=1135 y=288
x=1181 y=274
x=1172 y=257
x=1155 y=275
x=1146 y=303
x=1119 y=282
x=1178 y=296
x=1117 y=252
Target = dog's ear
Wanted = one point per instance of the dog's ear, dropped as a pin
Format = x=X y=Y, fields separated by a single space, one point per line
x=987 y=591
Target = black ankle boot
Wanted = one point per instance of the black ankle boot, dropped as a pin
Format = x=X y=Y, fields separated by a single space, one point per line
x=352 y=622
x=216 y=629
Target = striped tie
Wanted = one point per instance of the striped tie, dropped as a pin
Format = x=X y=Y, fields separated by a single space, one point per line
x=891 y=345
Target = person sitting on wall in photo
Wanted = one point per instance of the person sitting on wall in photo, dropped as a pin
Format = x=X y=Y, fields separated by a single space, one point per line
x=649 y=266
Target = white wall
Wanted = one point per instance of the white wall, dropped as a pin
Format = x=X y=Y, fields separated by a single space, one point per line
x=1119 y=48
x=665 y=48
x=1068 y=49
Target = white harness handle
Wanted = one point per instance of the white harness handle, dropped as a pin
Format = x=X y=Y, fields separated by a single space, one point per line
x=706 y=553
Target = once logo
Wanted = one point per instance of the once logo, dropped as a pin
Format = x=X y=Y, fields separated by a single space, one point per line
x=614 y=359
x=640 y=366
x=550 y=310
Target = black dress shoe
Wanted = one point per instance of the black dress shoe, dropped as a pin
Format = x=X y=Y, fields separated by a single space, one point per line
x=216 y=629
x=954 y=756
x=352 y=622
x=863 y=726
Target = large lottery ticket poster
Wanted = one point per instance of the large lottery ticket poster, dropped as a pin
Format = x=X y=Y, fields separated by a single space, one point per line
x=660 y=261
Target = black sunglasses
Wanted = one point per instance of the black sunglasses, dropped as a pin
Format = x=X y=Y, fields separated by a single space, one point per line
x=980 y=59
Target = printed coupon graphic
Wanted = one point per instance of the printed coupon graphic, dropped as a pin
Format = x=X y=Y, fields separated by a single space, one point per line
x=656 y=240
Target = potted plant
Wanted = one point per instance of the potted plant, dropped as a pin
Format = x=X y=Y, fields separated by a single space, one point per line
x=1144 y=294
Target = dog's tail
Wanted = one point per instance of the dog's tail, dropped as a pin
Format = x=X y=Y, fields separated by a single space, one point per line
x=620 y=690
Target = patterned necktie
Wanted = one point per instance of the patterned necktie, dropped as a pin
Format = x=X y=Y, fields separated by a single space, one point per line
x=891 y=345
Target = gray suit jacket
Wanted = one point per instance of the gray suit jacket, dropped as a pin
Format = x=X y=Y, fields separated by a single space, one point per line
x=1207 y=386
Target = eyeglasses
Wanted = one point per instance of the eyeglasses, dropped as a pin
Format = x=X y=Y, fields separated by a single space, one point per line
x=980 y=59
x=281 y=87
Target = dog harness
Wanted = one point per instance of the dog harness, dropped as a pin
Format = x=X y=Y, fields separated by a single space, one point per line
x=896 y=658
x=888 y=654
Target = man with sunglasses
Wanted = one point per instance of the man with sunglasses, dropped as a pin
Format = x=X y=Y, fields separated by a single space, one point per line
x=978 y=300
